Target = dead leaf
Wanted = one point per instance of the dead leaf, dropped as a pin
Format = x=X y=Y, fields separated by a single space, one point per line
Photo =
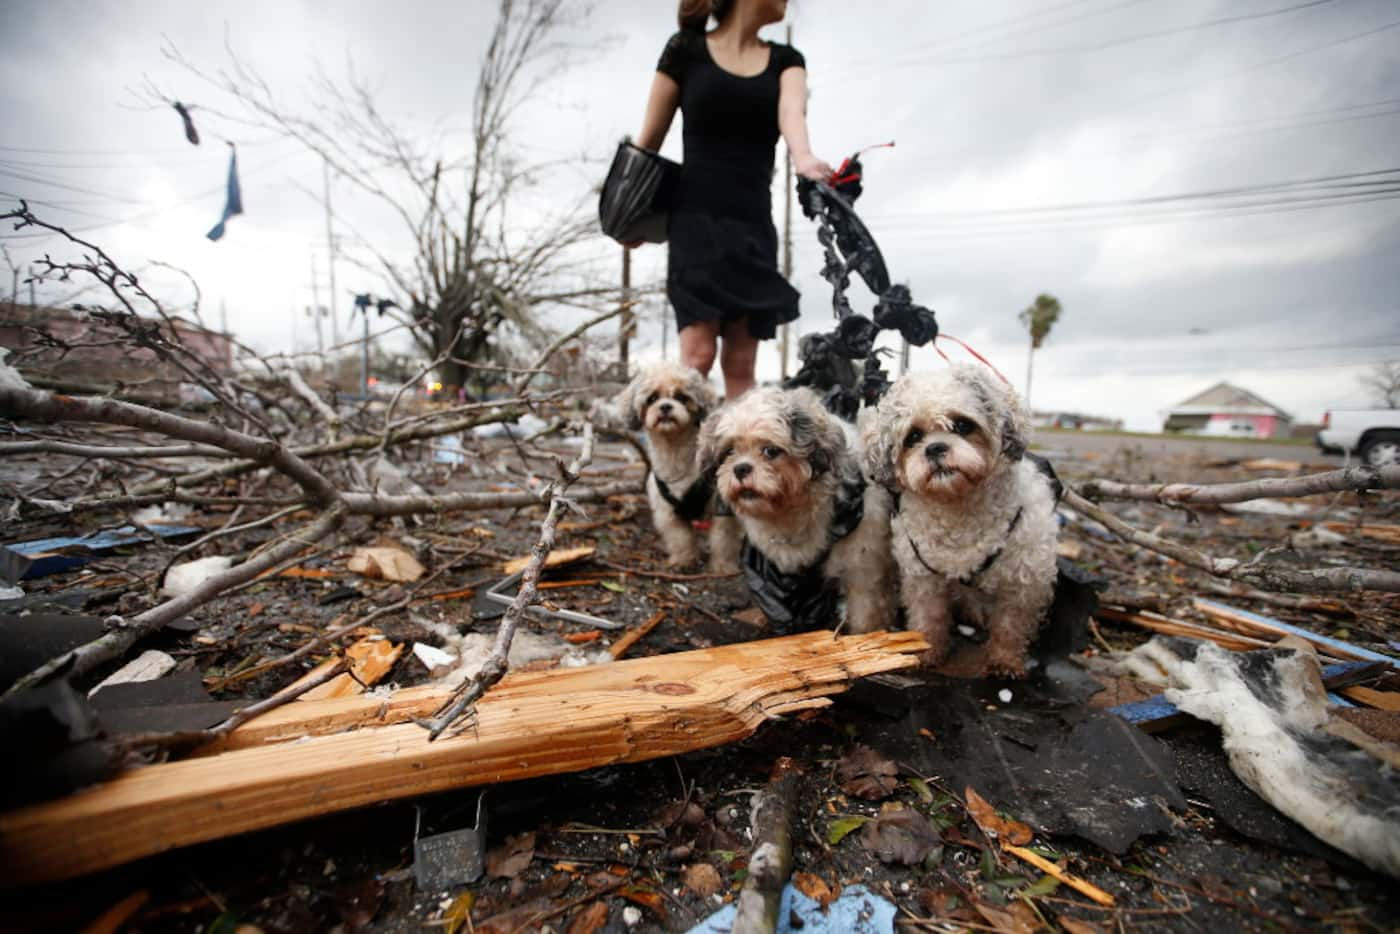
x=864 y=774
x=370 y=659
x=458 y=912
x=702 y=879
x=753 y=616
x=647 y=898
x=1079 y=927
x=510 y=858
x=1003 y=921
x=386 y=563
x=589 y=919
x=814 y=887
x=901 y=835
x=992 y=824
x=580 y=638
x=554 y=559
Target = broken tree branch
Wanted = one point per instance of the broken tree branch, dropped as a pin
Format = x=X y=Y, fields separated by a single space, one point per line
x=1357 y=479
x=770 y=864
x=496 y=664
x=1319 y=580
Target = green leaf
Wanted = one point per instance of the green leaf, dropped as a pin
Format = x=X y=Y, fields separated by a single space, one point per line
x=1044 y=852
x=837 y=830
x=989 y=865
x=1045 y=885
x=921 y=788
x=614 y=586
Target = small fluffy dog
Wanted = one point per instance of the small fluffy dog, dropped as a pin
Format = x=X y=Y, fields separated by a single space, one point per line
x=669 y=402
x=816 y=532
x=974 y=525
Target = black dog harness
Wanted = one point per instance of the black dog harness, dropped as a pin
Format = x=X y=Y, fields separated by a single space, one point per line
x=805 y=599
x=970 y=580
x=693 y=503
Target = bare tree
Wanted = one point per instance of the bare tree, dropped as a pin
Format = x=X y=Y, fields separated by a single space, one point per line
x=1383 y=379
x=463 y=253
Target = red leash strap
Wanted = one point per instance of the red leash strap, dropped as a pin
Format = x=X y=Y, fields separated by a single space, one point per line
x=964 y=346
x=842 y=175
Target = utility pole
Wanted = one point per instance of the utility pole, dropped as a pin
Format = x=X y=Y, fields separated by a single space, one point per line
x=330 y=249
x=783 y=338
x=625 y=329
x=315 y=312
x=32 y=303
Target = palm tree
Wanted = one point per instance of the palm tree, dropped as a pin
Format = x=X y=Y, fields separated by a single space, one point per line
x=1039 y=318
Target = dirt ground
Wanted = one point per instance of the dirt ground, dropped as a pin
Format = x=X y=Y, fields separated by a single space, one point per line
x=661 y=845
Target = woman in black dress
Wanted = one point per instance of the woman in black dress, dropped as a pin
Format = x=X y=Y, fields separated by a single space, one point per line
x=737 y=93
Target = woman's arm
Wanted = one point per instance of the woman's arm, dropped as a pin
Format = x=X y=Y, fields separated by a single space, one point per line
x=792 y=122
x=665 y=97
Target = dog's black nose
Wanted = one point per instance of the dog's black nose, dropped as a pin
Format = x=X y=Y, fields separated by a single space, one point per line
x=936 y=451
x=742 y=470
x=665 y=406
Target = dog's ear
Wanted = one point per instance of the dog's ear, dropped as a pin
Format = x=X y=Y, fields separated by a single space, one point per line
x=880 y=445
x=708 y=447
x=629 y=400
x=1010 y=411
x=814 y=432
x=703 y=394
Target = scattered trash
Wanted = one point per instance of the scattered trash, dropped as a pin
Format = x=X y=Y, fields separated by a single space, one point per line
x=1004 y=695
x=183 y=578
x=51 y=555
x=434 y=659
x=456 y=857
x=856 y=911
x=11 y=593
x=1281 y=741
x=147 y=666
x=448 y=450
x=386 y=563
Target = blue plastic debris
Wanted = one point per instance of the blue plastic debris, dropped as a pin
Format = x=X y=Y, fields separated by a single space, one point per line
x=51 y=555
x=857 y=911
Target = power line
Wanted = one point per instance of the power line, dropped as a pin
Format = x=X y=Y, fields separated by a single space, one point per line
x=1111 y=43
x=1380 y=176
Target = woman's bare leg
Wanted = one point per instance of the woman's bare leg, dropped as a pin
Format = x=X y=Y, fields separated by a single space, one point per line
x=698 y=345
x=737 y=358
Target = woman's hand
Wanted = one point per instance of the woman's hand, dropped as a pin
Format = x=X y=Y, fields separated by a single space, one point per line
x=809 y=166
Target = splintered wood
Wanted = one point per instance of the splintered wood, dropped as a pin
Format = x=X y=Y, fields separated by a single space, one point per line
x=531 y=724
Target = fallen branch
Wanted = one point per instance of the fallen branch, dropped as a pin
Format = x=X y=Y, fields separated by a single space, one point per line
x=632 y=636
x=770 y=864
x=1357 y=479
x=496 y=664
x=1319 y=580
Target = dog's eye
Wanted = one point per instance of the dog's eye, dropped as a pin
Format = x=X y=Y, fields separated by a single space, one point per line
x=772 y=452
x=963 y=426
x=652 y=398
x=725 y=455
x=682 y=398
x=913 y=438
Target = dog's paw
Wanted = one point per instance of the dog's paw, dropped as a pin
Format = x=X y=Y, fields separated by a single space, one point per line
x=723 y=566
x=933 y=658
x=684 y=559
x=1004 y=664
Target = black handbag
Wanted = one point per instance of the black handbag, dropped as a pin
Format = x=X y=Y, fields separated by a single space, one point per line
x=637 y=196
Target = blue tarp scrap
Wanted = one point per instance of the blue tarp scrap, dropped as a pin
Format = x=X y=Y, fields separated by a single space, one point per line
x=857 y=911
x=47 y=555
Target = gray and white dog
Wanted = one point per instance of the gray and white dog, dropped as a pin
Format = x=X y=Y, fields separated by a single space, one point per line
x=974 y=525
x=817 y=534
x=669 y=402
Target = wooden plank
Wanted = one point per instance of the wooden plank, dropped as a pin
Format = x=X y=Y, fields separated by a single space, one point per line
x=1255 y=624
x=531 y=724
x=1381 y=700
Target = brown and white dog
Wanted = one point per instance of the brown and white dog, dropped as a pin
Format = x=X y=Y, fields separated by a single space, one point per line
x=974 y=526
x=669 y=402
x=816 y=533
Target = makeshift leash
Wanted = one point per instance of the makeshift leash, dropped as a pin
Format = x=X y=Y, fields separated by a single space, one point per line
x=829 y=360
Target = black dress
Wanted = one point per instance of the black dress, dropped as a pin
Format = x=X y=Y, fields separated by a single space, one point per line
x=723 y=246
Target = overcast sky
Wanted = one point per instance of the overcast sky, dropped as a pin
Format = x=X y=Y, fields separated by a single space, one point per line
x=1009 y=118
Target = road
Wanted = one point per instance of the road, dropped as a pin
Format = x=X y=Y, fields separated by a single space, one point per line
x=1105 y=444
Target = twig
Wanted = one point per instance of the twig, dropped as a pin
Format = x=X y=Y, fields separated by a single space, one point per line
x=770 y=864
x=1082 y=886
x=633 y=636
x=496 y=664
x=186 y=738
x=1314 y=580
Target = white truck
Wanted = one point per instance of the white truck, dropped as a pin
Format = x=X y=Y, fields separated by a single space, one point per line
x=1371 y=434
